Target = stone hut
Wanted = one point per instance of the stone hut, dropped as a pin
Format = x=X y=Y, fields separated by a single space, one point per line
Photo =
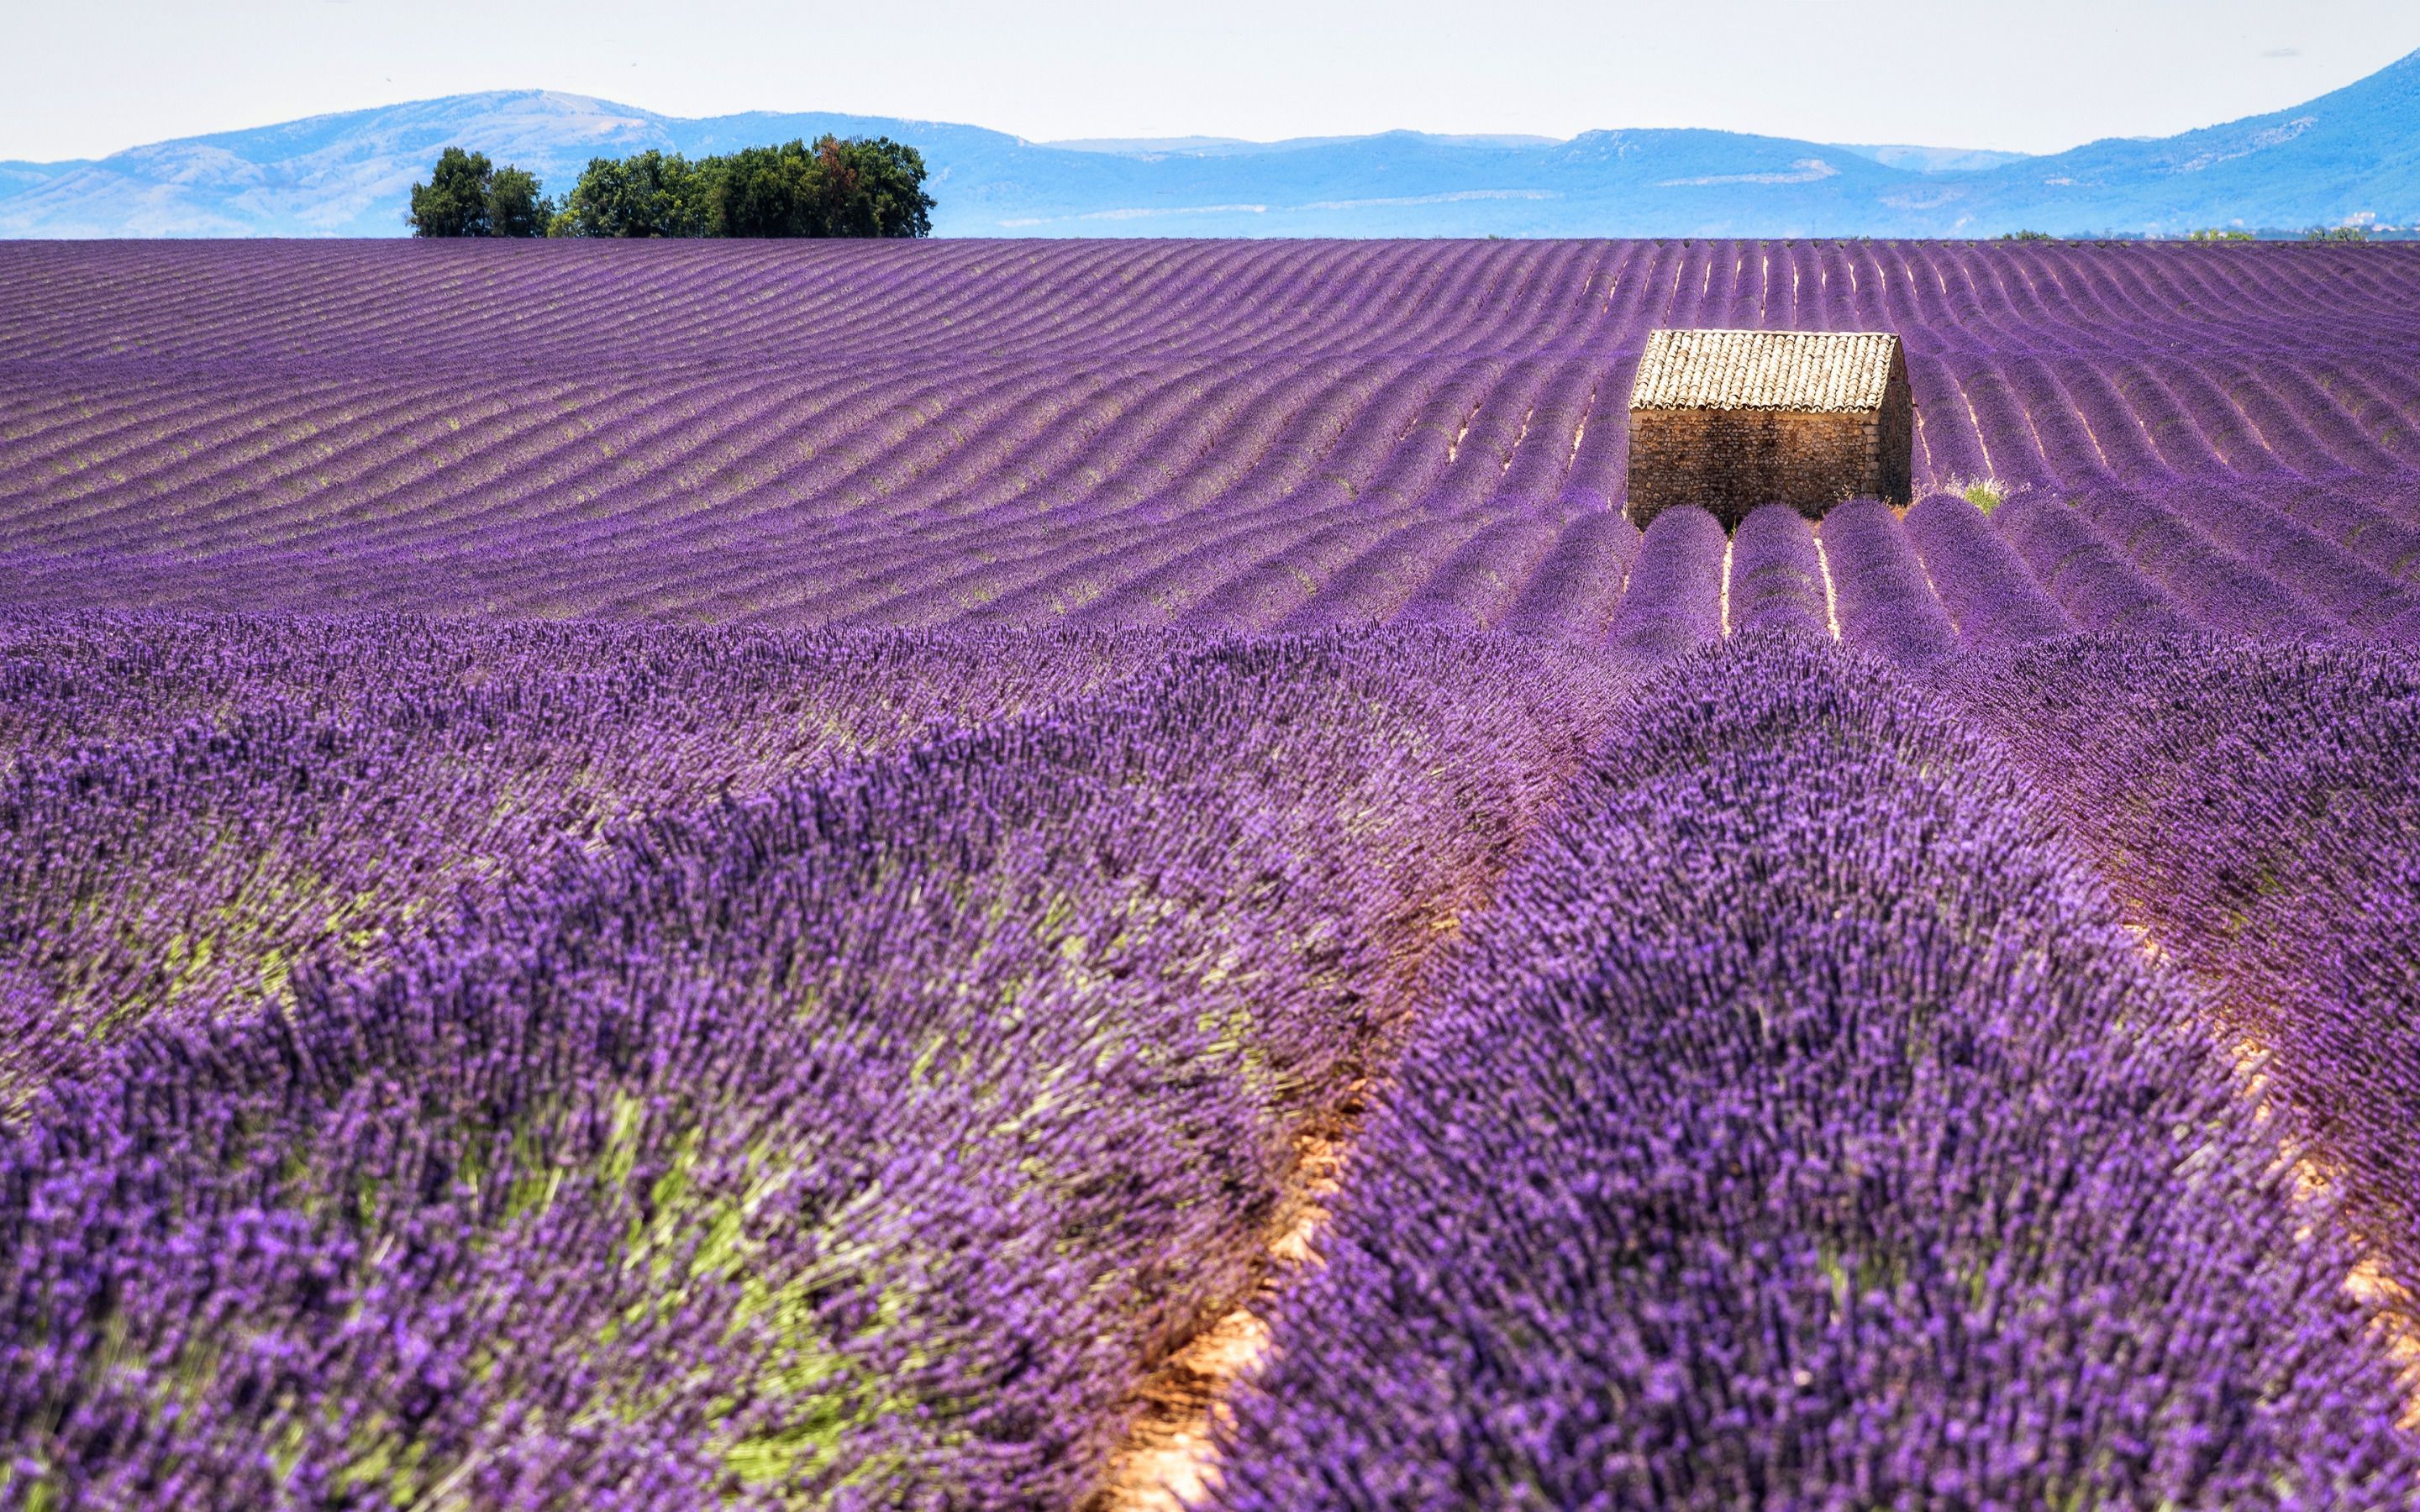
x=1734 y=419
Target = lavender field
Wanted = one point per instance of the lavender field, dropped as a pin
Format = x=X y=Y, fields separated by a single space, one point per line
x=771 y=875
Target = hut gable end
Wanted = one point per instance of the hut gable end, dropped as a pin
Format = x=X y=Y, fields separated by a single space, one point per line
x=1730 y=420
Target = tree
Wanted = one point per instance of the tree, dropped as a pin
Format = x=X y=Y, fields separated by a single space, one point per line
x=454 y=202
x=467 y=196
x=649 y=194
x=872 y=187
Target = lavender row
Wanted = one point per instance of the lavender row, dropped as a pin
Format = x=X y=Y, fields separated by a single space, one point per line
x=1801 y=1129
x=865 y=1141
x=1883 y=601
x=779 y=703
x=2201 y=576
x=2332 y=578
x=1673 y=601
x=191 y=808
x=2257 y=808
x=1777 y=579
x=2097 y=587
x=1986 y=589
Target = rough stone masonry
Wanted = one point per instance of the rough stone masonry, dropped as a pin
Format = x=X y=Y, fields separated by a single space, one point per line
x=1730 y=420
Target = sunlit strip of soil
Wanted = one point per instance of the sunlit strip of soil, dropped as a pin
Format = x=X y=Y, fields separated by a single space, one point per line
x=1831 y=598
x=1170 y=1455
x=1726 y=604
x=2392 y=1312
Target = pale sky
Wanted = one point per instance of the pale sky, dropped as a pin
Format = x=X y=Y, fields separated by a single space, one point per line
x=81 y=78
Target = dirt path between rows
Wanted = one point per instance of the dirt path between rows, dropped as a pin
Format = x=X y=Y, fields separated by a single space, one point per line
x=1171 y=1457
x=2393 y=1314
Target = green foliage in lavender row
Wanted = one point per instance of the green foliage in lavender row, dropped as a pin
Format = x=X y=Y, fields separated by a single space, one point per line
x=2259 y=807
x=1801 y=1129
x=860 y=1144
x=191 y=806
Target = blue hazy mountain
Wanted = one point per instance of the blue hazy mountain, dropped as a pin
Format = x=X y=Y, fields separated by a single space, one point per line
x=2349 y=156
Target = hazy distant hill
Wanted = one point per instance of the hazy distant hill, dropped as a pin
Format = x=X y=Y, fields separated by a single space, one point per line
x=2346 y=156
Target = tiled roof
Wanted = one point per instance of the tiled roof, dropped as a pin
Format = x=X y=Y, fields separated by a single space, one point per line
x=1827 y=371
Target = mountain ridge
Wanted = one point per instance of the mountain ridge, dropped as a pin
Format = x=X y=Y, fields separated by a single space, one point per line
x=2348 y=156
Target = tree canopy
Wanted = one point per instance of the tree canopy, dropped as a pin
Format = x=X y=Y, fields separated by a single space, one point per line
x=870 y=187
x=467 y=196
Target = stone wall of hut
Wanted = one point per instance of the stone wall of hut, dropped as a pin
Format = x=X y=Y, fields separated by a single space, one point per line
x=1729 y=461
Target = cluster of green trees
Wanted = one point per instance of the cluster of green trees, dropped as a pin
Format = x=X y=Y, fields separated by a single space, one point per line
x=2316 y=233
x=2215 y=233
x=835 y=187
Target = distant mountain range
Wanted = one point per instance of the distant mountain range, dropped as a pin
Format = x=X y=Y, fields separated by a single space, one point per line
x=2347 y=158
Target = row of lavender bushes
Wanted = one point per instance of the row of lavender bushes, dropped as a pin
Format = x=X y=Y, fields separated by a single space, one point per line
x=2257 y=808
x=1802 y=1129
x=191 y=806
